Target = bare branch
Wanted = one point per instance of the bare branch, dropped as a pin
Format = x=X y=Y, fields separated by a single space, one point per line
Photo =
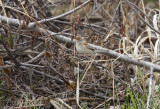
x=150 y=86
x=125 y=58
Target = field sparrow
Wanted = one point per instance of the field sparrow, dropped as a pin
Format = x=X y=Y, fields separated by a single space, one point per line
x=83 y=47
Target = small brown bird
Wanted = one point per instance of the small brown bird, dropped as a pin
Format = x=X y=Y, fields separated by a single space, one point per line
x=83 y=47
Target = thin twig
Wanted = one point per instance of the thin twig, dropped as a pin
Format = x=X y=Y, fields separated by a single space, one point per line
x=62 y=15
x=35 y=58
x=131 y=6
x=150 y=86
x=17 y=63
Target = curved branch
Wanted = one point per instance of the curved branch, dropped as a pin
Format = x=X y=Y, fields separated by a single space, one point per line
x=33 y=24
x=99 y=49
x=140 y=17
x=62 y=15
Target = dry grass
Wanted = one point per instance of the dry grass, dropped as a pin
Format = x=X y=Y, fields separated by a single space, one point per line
x=42 y=67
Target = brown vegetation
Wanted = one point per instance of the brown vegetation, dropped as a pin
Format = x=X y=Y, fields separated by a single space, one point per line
x=40 y=67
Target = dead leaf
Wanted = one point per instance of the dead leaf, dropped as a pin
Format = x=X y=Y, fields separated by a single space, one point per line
x=71 y=85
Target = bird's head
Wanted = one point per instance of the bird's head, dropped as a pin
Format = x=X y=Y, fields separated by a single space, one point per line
x=80 y=39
